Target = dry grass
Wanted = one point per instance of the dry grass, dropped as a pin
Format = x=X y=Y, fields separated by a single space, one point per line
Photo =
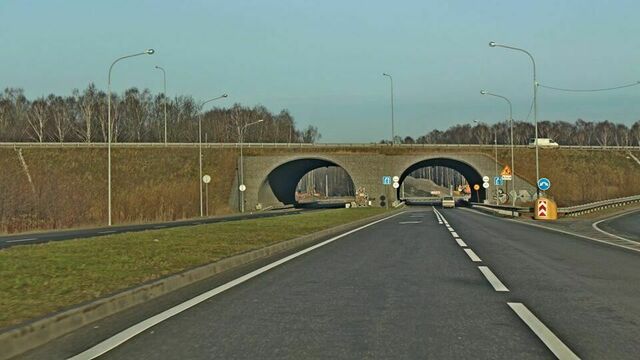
x=156 y=184
x=39 y=279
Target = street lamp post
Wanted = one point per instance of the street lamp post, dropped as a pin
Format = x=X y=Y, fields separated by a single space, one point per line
x=164 y=76
x=241 y=131
x=513 y=165
x=495 y=146
x=146 y=52
x=535 y=105
x=200 y=145
x=393 y=131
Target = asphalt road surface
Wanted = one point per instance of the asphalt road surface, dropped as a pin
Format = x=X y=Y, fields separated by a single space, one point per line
x=626 y=226
x=417 y=285
x=42 y=237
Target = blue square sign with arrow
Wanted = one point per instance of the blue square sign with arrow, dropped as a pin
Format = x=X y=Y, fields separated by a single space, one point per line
x=497 y=181
x=386 y=180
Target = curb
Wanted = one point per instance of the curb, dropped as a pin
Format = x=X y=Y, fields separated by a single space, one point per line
x=37 y=333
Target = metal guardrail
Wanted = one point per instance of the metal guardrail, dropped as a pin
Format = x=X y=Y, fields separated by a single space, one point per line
x=294 y=145
x=571 y=210
x=598 y=205
x=519 y=209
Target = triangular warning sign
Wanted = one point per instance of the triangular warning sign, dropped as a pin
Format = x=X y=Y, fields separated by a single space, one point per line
x=506 y=170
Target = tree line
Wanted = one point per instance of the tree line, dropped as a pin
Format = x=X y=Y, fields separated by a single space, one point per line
x=138 y=116
x=580 y=132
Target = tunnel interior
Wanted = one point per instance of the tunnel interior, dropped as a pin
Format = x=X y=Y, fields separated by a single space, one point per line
x=283 y=181
x=467 y=171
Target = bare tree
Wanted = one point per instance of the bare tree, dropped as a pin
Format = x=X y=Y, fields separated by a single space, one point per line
x=60 y=114
x=37 y=119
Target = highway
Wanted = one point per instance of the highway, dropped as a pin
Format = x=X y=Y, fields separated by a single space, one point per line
x=58 y=235
x=626 y=225
x=436 y=284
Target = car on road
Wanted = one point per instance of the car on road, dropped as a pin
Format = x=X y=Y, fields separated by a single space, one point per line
x=448 y=202
x=543 y=142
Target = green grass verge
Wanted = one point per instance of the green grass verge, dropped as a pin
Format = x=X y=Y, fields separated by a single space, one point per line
x=36 y=280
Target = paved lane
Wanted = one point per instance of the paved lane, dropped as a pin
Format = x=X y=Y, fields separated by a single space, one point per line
x=626 y=226
x=445 y=284
x=400 y=289
x=586 y=292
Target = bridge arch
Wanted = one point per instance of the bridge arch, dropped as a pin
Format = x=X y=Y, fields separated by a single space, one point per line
x=470 y=173
x=281 y=182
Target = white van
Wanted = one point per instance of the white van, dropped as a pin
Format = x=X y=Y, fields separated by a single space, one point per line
x=542 y=142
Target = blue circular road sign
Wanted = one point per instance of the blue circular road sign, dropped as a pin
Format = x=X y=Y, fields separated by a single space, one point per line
x=544 y=184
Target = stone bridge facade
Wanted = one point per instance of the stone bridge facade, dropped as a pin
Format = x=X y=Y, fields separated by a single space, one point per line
x=271 y=179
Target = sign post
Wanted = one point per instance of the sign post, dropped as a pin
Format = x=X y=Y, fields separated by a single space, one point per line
x=206 y=179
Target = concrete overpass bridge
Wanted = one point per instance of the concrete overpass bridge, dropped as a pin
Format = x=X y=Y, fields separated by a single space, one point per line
x=271 y=179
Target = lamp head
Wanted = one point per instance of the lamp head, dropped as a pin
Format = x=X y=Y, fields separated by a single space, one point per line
x=225 y=95
x=385 y=74
x=492 y=44
x=261 y=120
x=150 y=51
x=483 y=92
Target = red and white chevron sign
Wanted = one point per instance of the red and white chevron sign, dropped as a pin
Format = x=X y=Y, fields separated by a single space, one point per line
x=542 y=208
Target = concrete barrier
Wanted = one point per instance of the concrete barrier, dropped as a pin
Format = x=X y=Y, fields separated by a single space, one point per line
x=31 y=335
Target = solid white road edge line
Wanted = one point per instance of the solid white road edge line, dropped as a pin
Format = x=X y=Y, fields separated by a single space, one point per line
x=409 y=222
x=595 y=225
x=493 y=279
x=559 y=349
x=21 y=240
x=472 y=255
x=106 y=232
x=557 y=230
x=123 y=336
x=438 y=216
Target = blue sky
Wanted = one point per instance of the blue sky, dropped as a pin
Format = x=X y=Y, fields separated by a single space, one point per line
x=323 y=60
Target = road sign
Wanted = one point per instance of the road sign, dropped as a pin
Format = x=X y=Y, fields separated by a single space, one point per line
x=544 y=184
x=485 y=185
x=498 y=181
x=506 y=173
x=476 y=187
x=485 y=179
x=242 y=187
x=396 y=179
x=396 y=185
x=386 y=180
x=206 y=179
x=542 y=208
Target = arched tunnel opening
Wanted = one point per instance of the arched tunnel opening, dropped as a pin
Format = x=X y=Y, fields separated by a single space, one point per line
x=433 y=178
x=307 y=183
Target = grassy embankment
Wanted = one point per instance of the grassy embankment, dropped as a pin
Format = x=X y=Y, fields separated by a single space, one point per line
x=36 y=280
x=160 y=184
x=70 y=186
